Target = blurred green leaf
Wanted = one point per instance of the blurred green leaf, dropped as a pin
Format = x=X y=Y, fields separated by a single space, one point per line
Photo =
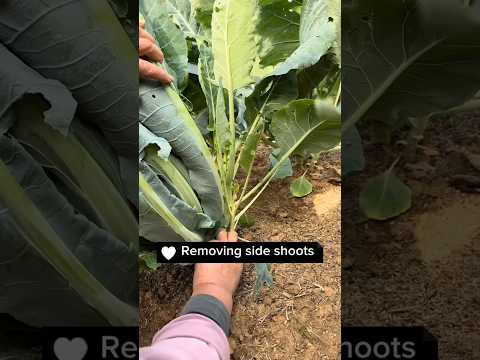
x=353 y=158
x=149 y=258
x=385 y=196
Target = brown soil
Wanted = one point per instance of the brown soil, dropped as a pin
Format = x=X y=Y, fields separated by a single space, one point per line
x=299 y=316
x=421 y=268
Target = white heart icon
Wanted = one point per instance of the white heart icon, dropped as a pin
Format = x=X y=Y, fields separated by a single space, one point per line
x=168 y=252
x=74 y=349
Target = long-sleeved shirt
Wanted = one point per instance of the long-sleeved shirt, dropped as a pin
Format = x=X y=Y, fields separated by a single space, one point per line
x=199 y=334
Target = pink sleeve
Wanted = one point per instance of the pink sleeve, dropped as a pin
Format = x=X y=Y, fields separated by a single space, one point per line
x=188 y=337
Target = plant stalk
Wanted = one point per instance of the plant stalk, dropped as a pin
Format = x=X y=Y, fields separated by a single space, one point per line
x=155 y=202
x=272 y=172
x=252 y=129
x=246 y=207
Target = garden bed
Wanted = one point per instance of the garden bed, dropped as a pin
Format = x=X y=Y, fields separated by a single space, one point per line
x=420 y=268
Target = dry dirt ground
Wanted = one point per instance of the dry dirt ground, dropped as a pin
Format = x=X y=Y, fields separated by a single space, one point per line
x=423 y=267
x=297 y=318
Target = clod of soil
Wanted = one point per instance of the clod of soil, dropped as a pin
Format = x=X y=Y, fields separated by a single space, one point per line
x=327 y=201
x=421 y=268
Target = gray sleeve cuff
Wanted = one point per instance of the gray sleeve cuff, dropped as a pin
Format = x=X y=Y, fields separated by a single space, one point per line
x=210 y=307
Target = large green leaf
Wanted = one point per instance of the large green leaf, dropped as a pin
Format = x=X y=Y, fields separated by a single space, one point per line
x=18 y=80
x=51 y=251
x=277 y=31
x=169 y=37
x=68 y=155
x=163 y=113
x=233 y=43
x=92 y=56
x=317 y=35
x=394 y=67
x=305 y=127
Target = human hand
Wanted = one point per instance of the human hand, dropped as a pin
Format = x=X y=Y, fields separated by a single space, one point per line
x=148 y=50
x=218 y=280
